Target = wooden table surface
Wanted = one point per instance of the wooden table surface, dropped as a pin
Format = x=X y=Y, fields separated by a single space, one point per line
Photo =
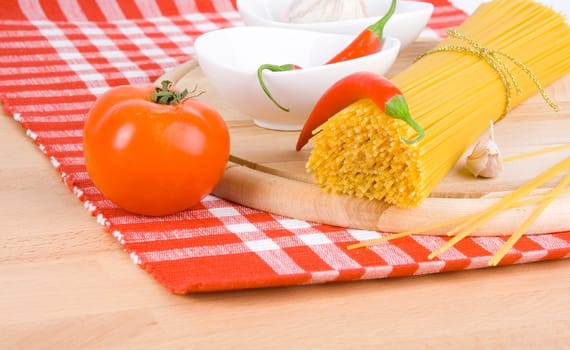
x=67 y=284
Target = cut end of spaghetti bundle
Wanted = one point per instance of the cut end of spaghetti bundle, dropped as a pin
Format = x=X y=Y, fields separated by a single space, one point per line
x=359 y=152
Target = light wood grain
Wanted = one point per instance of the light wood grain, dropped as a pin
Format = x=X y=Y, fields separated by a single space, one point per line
x=66 y=284
x=270 y=165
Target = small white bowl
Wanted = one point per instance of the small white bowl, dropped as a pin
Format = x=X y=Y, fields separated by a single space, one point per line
x=230 y=58
x=406 y=24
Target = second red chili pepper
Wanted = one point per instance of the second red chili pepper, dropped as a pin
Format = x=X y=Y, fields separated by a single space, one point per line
x=352 y=88
x=368 y=42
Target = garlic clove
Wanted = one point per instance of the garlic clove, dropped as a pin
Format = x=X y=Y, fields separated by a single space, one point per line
x=485 y=160
x=493 y=167
x=314 y=11
x=477 y=160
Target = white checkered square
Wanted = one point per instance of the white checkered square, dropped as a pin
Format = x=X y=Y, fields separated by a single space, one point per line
x=262 y=245
x=364 y=235
x=427 y=267
x=314 y=239
x=224 y=212
x=294 y=224
x=242 y=228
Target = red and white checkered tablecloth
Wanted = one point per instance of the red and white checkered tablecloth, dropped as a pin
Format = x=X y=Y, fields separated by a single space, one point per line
x=56 y=57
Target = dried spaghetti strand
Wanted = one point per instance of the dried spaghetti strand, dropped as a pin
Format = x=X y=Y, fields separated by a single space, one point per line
x=408 y=232
x=537 y=152
x=505 y=202
x=556 y=191
x=450 y=222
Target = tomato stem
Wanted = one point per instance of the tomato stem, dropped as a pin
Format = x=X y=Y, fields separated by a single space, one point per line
x=164 y=94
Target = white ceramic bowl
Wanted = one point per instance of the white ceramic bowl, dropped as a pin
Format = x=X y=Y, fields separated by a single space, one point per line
x=406 y=24
x=230 y=58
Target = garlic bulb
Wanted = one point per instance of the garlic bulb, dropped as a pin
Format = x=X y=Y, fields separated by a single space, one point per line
x=485 y=160
x=312 y=11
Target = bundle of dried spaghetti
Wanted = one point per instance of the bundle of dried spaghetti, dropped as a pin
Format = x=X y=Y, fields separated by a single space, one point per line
x=505 y=52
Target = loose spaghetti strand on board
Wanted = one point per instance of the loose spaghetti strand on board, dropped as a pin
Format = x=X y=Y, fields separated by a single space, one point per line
x=450 y=222
x=500 y=254
x=483 y=216
x=537 y=152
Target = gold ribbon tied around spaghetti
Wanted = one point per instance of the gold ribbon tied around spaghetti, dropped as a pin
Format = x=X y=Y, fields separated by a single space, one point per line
x=495 y=59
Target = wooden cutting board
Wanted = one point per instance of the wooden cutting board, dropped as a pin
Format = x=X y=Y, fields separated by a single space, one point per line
x=265 y=172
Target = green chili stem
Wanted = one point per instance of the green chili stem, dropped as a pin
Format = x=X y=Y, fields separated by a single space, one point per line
x=378 y=27
x=273 y=68
x=397 y=107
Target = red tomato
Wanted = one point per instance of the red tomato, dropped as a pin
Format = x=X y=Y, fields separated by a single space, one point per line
x=151 y=158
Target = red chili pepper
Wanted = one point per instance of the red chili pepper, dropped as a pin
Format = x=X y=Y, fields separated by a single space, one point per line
x=368 y=42
x=352 y=88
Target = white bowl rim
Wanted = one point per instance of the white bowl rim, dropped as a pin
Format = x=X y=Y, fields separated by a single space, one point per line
x=391 y=43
